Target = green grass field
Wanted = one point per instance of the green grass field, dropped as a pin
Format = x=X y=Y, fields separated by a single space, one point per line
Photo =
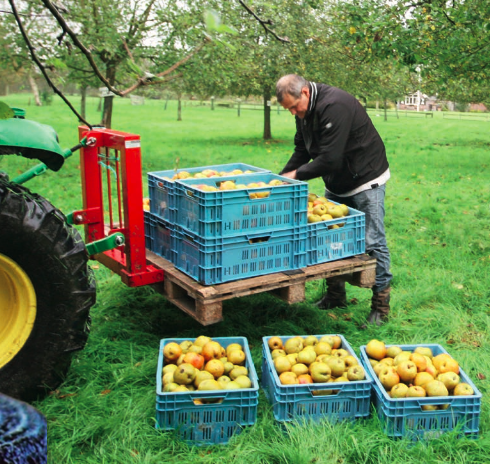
x=437 y=218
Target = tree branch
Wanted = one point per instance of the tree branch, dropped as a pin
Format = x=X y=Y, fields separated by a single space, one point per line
x=54 y=11
x=40 y=65
x=142 y=81
x=264 y=24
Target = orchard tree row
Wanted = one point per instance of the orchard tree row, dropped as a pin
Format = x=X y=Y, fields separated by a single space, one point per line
x=373 y=49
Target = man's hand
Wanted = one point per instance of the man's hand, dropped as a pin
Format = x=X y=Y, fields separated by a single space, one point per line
x=291 y=174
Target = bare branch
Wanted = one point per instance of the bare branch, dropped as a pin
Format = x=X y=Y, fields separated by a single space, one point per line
x=54 y=11
x=40 y=65
x=264 y=24
x=143 y=81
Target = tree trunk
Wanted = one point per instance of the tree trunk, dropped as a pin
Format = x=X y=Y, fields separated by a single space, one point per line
x=179 y=108
x=386 y=114
x=35 y=90
x=166 y=101
x=109 y=101
x=267 y=114
x=83 y=100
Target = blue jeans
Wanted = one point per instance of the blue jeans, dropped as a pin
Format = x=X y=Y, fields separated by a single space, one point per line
x=372 y=204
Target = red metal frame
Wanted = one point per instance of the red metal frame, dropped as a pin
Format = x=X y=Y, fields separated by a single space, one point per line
x=111 y=174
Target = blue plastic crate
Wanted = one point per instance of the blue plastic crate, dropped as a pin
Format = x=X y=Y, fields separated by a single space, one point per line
x=162 y=192
x=404 y=417
x=324 y=244
x=218 y=260
x=162 y=197
x=213 y=423
x=334 y=401
x=148 y=239
x=161 y=238
x=227 y=213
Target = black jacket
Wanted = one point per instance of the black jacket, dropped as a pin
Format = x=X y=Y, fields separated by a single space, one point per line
x=337 y=141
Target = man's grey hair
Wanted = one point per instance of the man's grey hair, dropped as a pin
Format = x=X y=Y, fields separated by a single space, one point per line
x=291 y=84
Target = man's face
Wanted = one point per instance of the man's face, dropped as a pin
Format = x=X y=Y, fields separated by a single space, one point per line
x=297 y=106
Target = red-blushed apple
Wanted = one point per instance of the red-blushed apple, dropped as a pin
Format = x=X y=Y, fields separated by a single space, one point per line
x=463 y=389
x=432 y=370
x=376 y=349
x=337 y=342
x=304 y=378
x=195 y=359
x=211 y=350
x=420 y=361
x=437 y=360
x=449 y=365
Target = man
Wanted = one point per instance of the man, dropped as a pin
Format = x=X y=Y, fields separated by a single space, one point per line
x=336 y=140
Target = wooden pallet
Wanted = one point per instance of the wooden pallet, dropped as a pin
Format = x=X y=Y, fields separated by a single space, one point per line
x=204 y=302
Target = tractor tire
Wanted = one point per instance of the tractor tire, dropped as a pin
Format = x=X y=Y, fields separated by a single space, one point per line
x=46 y=292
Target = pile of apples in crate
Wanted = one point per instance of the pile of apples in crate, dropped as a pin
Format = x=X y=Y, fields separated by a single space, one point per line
x=208 y=173
x=417 y=373
x=203 y=364
x=311 y=360
x=321 y=209
x=232 y=185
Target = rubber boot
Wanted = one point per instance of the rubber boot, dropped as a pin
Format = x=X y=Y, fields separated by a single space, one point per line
x=335 y=297
x=380 y=307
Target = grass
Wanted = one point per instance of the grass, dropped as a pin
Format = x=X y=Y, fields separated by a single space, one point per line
x=437 y=219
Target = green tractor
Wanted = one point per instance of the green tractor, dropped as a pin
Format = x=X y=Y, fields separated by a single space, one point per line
x=46 y=285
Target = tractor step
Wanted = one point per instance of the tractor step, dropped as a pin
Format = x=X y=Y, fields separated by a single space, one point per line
x=204 y=302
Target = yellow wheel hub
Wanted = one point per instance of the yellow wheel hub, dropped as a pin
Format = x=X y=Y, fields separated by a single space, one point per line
x=17 y=309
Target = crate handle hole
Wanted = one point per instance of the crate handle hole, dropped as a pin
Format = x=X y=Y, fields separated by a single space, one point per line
x=259 y=239
x=325 y=392
x=199 y=401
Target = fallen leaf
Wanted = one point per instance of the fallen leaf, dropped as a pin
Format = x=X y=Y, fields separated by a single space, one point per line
x=333 y=316
x=481 y=376
x=105 y=392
